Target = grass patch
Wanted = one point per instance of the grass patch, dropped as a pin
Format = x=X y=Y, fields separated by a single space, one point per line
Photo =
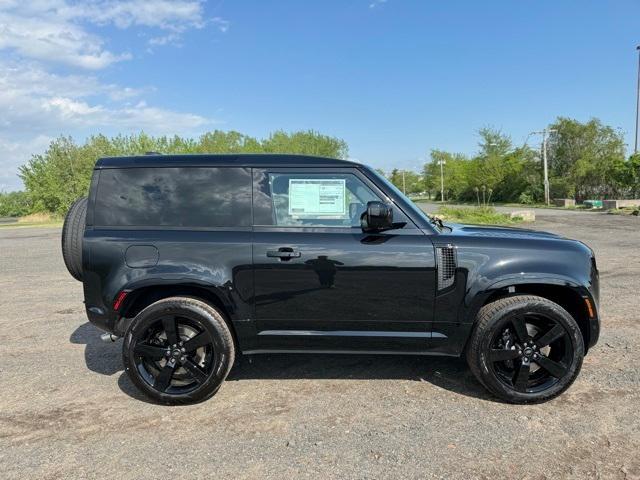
x=34 y=220
x=476 y=216
x=625 y=211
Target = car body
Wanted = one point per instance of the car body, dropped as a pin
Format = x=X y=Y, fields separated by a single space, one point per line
x=211 y=227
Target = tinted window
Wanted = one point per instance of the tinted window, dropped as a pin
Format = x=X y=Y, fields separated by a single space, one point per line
x=175 y=197
x=311 y=200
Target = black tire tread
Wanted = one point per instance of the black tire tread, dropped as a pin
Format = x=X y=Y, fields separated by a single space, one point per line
x=486 y=314
x=72 y=234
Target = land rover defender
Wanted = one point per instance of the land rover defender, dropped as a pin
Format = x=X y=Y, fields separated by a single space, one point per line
x=195 y=259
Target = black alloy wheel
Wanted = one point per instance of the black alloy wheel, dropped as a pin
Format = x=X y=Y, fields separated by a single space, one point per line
x=178 y=350
x=532 y=353
x=174 y=355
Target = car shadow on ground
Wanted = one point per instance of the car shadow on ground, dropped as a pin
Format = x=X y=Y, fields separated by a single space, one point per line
x=105 y=358
x=444 y=372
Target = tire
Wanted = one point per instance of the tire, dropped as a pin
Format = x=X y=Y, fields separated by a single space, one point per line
x=72 y=234
x=525 y=366
x=182 y=369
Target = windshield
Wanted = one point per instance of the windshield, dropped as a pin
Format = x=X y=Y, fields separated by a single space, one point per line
x=414 y=208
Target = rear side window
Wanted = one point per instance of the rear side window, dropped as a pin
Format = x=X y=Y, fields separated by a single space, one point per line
x=174 y=197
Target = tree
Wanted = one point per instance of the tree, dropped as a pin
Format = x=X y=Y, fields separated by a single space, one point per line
x=414 y=182
x=305 y=143
x=14 y=204
x=456 y=173
x=586 y=159
x=632 y=176
x=506 y=170
x=407 y=181
x=498 y=167
x=396 y=178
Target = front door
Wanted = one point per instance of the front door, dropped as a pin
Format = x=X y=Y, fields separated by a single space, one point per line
x=320 y=282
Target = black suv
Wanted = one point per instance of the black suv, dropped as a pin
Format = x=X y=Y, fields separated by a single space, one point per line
x=196 y=258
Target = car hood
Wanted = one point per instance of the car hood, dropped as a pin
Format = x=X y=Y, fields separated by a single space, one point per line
x=500 y=232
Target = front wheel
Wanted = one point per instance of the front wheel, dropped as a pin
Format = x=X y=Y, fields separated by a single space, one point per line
x=525 y=349
x=178 y=350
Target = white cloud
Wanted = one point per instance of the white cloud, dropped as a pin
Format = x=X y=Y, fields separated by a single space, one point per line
x=37 y=106
x=171 y=38
x=176 y=15
x=57 y=31
x=54 y=40
x=137 y=117
x=222 y=24
x=377 y=3
x=35 y=101
x=30 y=79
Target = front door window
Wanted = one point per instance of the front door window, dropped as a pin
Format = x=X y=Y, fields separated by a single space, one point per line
x=317 y=200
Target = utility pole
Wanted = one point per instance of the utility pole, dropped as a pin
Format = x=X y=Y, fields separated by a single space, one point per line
x=441 y=162
x=546 y=167
x=545 y=139
x=635 y=150
x=404 y=184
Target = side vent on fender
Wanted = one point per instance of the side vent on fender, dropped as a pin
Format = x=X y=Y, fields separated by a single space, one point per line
x=446 y=261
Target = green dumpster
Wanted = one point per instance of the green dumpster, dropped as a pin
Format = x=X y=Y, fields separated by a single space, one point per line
x=593 y=203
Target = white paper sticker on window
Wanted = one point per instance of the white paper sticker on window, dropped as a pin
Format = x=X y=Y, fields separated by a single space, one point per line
x=317 y=197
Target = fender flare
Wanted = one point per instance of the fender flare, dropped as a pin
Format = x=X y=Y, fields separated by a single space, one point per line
x=475 y=300
x=134 y=288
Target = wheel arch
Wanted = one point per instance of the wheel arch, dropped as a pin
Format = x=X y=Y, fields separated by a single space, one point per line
x=139 y=298
x=569 y=296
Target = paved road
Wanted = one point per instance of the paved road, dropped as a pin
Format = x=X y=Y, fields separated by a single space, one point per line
x=68 y=411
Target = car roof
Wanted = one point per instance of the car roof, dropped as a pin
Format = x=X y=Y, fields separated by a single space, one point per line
x=225 y=160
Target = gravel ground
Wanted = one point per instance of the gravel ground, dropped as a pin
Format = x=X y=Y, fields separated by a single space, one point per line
x=67 y=410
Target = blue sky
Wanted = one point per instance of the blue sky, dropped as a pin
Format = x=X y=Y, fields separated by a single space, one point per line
x=393 y=78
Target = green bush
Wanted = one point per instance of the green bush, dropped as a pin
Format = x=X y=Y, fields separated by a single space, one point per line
x=476 y=215
x=526 y=198
x=15 y=204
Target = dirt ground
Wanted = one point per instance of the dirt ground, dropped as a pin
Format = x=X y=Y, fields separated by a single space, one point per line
x=67 y=410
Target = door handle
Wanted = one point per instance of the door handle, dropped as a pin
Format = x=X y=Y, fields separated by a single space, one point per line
x=284 y=253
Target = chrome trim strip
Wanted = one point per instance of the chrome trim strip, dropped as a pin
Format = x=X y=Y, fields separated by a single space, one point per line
x=349 y=352
x=350 y=333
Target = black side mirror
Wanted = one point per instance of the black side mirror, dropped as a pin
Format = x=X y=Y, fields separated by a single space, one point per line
x=379 y=216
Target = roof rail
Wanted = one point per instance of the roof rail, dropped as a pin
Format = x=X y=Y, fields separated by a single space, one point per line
x=153 y=153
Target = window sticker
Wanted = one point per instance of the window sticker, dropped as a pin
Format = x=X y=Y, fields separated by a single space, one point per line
x=317 y=197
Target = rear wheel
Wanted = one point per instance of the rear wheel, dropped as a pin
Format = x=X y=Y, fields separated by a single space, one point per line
x=525 y=349
x=178 y=350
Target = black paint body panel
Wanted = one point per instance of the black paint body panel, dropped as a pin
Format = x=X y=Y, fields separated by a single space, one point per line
x=345 y=281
